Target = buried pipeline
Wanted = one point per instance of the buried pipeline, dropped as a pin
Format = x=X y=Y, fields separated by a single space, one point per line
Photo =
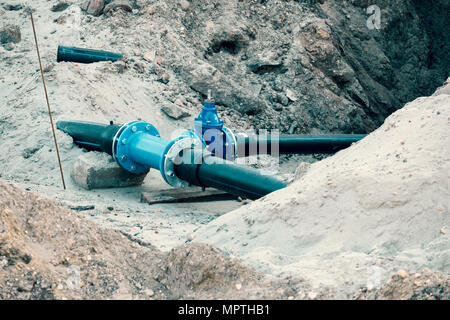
x=202 y=157
x=137 y=147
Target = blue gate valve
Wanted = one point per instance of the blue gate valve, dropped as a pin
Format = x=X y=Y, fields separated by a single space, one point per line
x=217 y=139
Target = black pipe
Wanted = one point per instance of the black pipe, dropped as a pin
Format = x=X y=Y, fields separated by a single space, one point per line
x=71 y=54
x=294 y=144
x=210 y=171
x=221 y=174
x=89 y=135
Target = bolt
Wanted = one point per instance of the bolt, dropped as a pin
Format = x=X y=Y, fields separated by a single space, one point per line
x=133 y=168
x=124 y=158
x=148 y=127
x=124 y=141
x=134 y=129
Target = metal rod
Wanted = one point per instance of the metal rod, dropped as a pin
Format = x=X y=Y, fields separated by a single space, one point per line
x=48 y=103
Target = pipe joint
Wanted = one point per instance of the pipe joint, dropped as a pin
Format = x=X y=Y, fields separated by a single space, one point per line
x=125 y=138
x=173 y=155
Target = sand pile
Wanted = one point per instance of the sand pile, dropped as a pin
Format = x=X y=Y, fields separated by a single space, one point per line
x=355 y=218
x=50 y=252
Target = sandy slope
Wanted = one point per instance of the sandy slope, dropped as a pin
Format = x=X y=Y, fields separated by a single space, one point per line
x=384 y=202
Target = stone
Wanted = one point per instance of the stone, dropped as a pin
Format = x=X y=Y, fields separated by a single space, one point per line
x=94 y=7
x=149 y=292
x=150 y=56
x=203 y=77
x=96 y=170
x=185 y=5
x=60 y=6
x=120 y=66
x=13 y=7
x=174 y=111
x=164 y=78
x=291 y=95
x=138 y=66
x=9 y=46
x=402 y=274
x=118 y=4
x=281 y=98
x=10 y=34
x=265 y=60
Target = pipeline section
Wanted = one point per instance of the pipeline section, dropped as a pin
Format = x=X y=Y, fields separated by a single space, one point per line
x=72 y=54
x=200 y=157
x=183 y=162
x=226 y=144
x=293 y=144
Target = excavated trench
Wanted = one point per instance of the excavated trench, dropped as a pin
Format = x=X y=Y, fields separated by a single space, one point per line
x=316 y=65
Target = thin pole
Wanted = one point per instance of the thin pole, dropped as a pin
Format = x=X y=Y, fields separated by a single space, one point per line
x=48 y=103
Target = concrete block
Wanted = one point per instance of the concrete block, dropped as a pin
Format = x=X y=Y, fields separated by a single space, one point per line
x=96 y=170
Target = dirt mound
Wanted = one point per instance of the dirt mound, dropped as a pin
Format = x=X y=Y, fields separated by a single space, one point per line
x=199 y=270
x=427 y=285
x=49 y=252
x=382 y=203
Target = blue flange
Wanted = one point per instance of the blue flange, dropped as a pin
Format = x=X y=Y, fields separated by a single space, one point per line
x=124 y=138
x=188 y=140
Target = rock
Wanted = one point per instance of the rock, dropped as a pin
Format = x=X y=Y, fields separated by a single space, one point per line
x=95 y=170
x=13 y=7
x=402 y=274
x=149 y=292
x=10 y=34
x=312 y=295
x=48 y=68
x=150 y=56
x=179 y=103
x=120 y=66
x=164 y=78
x=291 y=95
x=118 y=4
x=238 y=286
x=94 y=7
x=264 y=61
x=83 y=208
x=174 y=111
x=60 y=6
x=281 y=98
x=9 y=46
x=138 y=66
x=185 y=5
x=203 y=77
x=29 y=152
